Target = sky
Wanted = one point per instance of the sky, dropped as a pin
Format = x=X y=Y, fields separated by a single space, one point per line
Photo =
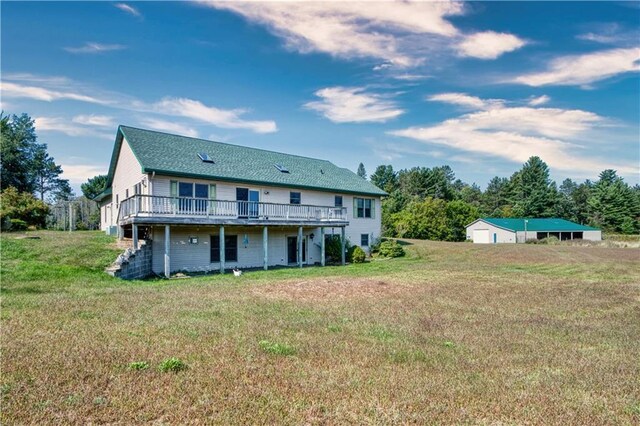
x=480 y=86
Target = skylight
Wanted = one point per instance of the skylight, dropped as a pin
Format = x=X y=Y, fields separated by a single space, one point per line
x=205 y=158
x=281 y=168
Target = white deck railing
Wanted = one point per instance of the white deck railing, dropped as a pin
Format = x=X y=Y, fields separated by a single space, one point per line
x=161 y=206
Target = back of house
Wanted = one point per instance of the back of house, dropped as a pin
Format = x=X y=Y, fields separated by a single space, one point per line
x=205 y=205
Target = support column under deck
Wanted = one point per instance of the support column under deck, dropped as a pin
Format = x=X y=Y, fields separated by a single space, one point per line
x=222 y=259
x=134 y=231
x=343 y=244
x=265 y=247
x=322 y=247
x=167 y=245
x=300 y=246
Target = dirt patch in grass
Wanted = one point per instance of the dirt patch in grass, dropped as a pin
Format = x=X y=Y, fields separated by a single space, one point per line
x=335 y=289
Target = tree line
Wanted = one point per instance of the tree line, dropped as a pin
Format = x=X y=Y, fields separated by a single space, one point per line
x=32 y=191
x=430 y=203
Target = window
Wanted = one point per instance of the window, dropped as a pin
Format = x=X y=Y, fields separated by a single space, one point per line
x=126 y=193
x=185 y=189
x=281 y=168
x=364 y=240
x=205 y=158
x=363 y=207
x=338 y=201
x=117 y=199
x=230 y=248
x=295 y=198
x=202 y=190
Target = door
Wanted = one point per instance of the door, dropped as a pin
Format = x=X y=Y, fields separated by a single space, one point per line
x=185 y=192
x=254 y=199
x=242 y=196
x=481 y=236
x=292 y=250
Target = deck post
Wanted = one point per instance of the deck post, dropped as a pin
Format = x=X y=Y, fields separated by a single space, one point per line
x=135 y=236
x=167 y=245
x=222 y=259
x=322 y=248
x=343 y=244
x=265 y=246
x=300 y=246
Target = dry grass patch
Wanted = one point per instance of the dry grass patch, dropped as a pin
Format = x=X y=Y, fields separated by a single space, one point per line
x=451 y=334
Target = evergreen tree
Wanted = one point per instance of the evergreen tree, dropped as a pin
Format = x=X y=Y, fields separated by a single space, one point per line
x=46 y=174
x=361 y=171
x=495 y=197
x=18 y=145
x=613 y=204
x=94 y=186
x=534 y=195
x=385 y=178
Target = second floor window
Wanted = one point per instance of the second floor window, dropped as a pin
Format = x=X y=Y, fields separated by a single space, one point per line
x=295 y=198
x=338 y=201
x=363 y=207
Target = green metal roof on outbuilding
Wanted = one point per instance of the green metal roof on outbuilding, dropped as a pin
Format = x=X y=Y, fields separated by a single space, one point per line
x=174 y=155
x=537 y=225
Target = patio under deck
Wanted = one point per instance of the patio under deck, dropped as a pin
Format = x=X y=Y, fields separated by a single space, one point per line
x=150 y=210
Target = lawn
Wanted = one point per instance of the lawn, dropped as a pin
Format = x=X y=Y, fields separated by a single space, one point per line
x=452 y=333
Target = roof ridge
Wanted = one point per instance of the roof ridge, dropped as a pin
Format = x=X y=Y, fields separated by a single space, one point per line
x=225 y=143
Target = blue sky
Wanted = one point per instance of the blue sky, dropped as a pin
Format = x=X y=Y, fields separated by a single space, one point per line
x=477 y=86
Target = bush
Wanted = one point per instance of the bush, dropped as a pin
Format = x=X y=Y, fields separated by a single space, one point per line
x=358 y=255
x=18 y=225
x=22 y=206
x=549 y=240
x=374 y=247
x=172 y=364
x=333 y=248
x=391 y=249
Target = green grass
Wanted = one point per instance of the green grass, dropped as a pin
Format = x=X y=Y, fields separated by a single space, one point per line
x=450 y=334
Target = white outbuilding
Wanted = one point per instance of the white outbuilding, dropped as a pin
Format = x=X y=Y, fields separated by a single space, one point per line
x=519 y=230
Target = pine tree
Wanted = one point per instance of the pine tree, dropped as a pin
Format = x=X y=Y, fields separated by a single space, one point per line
x=361 y=171
x=46 y=174
x=534 y=195
x=613 y=204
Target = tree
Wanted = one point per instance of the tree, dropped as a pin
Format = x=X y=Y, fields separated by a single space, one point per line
x=614 y=205
x=496 y=197
x=385 y=178
x=361 y=171
x=18 y=144
x=459 y=215
x=94 y=186
x=22 y=206
x=471 y=194
x=46 y=175
x=533 y=193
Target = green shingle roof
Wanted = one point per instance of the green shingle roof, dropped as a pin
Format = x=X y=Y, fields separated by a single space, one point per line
x=539 y=225
x=175 y=155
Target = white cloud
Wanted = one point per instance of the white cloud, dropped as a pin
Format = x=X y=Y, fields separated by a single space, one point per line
x=169 y=126
x=91 y=47
x=465 y=100
x=228 y=119
x=62 y=125
x=489 y=45
x=576 y=70
x=350 y=29
x=15 y=90
x=54 y=89
x=128 y=9
x=540 y=100
x=80 y=173
x=517 y=133
x=353 y=105
x=94 y=120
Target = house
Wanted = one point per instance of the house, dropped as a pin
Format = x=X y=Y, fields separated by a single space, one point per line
x=518 y=230
x=203 y=205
